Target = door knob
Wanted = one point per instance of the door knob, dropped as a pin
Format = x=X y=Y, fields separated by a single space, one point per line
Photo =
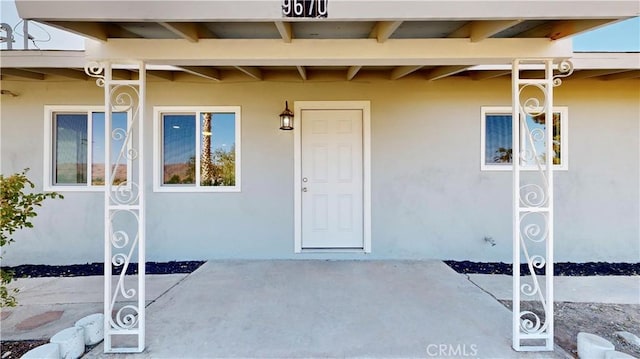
x=304 y=189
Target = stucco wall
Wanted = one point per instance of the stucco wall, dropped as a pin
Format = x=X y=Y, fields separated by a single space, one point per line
x=429 y=197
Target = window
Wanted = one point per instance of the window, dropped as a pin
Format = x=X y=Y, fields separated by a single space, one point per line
x=197 y=149
x=496 y=144
x=74 y=145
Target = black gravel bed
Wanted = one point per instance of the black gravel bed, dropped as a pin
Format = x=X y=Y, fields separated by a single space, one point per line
x=81 y=270
x=465 y=267
x=559 y=269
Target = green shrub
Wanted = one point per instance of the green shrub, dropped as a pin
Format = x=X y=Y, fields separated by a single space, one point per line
x=17 y=209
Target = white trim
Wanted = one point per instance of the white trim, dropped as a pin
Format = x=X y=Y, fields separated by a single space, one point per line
x=333 y=250
x=157 y=148
x=365 y=107
x=581 y=61
x=506 y=110
x=49 y=153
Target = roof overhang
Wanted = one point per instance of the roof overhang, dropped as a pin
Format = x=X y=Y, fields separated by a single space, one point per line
x=435 y=38
x=339 y=10
x=346 y=19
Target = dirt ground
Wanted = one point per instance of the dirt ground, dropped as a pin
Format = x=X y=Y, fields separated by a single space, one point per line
x=596 y=318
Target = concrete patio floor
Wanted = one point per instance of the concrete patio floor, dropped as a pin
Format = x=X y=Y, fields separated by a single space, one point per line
x=327 y=309
x=48 y=305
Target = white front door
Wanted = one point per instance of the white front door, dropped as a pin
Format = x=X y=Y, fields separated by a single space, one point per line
x=331 y=175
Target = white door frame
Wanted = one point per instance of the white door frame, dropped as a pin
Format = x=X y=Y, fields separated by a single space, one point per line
x=365 y=106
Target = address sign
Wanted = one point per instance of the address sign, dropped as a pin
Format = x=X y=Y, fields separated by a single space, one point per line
x=305 y=8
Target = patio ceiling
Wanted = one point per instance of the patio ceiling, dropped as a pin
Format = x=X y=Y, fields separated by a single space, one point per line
x=391 y=39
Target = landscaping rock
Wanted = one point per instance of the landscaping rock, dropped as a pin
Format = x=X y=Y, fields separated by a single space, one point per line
x=71 y=341
x=93 y=328
x=559 y=269
x=92 y=269
x=591 y=346
x=630 y=338
x=46 y=351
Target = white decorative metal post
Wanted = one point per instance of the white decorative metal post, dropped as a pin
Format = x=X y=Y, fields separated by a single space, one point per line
x=533 y=160
x=124 y=217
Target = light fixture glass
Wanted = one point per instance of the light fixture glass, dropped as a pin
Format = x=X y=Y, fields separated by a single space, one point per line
x=286 y=118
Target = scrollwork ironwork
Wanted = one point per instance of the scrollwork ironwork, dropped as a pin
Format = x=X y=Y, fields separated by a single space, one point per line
x=119 y=239
x=124 y=208
x=119 y=134
x=532 y=106
x=533 y=202
x=95 y=69
x=125 y=193
x=533 y=195
x=124 y=97
x=537 y=261
x=531 y=323
x=131 y=154
x=125 y=320
x=537 y=134
x=528 y=289
x=535 y=232
x=565 y=69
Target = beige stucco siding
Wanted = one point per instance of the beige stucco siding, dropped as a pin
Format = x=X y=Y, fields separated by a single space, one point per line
x=429 y=197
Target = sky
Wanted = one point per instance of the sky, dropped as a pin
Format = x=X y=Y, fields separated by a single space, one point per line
x=623 y=36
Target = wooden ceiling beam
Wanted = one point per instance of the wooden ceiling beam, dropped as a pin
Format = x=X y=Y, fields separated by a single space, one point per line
x=488 y=74
x=117 y=31
x=403 y=71
x=93 y=30
x=445 y=71
x=383 y=30
x=186 y=30
x=22 y=73
x=250 y=71
x=352 y=72
x=162 y=74
x=334 y=52
x=284 y=28
x=480 y=30
x=69 y=73
x=622 y=75
x=556 y=30
x=585 y=74
x=462 y=32
x=202 y=71
x=302 y=71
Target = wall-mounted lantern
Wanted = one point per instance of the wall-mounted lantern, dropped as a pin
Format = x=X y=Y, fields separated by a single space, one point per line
x=286 y=118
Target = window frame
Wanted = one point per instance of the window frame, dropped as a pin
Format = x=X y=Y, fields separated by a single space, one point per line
x=507 y=110
x=49 y=183
x=158 y=146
